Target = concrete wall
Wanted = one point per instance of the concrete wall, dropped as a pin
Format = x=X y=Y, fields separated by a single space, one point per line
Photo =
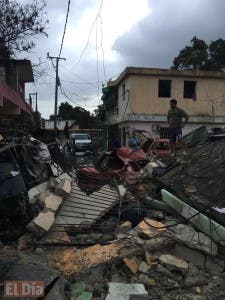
x=210 y=96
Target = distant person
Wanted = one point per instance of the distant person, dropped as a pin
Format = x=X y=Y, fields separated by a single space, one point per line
x=66 y=130
x=175 y=116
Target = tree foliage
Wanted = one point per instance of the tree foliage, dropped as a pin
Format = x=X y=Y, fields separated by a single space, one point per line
x=201 y=56
x=77 y=113
x=19 y=24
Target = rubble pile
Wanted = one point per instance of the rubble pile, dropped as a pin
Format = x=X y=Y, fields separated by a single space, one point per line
x=168 y=236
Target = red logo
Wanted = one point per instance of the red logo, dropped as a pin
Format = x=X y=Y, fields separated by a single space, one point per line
x=17 y=289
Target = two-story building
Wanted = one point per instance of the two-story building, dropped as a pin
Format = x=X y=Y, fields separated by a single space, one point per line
x=139 y=99
x=14 y=74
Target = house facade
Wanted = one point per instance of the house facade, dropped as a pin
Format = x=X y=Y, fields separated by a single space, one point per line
x=14 y=74
x=139 y=99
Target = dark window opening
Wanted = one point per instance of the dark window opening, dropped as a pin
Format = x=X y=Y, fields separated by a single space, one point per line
x=164 y=90
x=124 y=91
x=189 y=89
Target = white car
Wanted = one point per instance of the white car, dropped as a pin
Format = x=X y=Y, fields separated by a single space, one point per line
x=80 y=142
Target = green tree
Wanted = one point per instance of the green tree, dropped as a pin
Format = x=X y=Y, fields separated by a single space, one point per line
x=19 y=24
x=77 y=113
x=201 y=56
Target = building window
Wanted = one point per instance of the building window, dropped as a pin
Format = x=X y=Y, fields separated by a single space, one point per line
x=164 y=90
x=189 y=89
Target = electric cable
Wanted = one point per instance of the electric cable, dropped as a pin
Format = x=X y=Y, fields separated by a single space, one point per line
x=64 y=32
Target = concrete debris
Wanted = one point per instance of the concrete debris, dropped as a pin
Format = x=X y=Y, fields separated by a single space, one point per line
x=197 y=240
x=42 y=223
x=53 y=202
x=149 y=228
x=124 y=227
x=64 y=187
x=129 y=241
x=131 y=264
x=143 y=267
x=121 y=291
x=34 y=193
x=173 y=263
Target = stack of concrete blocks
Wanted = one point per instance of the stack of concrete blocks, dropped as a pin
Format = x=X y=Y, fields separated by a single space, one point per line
x=51 y=195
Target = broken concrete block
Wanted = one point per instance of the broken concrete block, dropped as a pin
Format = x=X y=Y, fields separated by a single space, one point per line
x=53 y=202
x=173 y=263
x=190 y=255
x=53 y=183
x=213 y=266
x=126 y=291
x=124 y=227
x=42 y=223
x=149 y=228
x=65 y=176
x=34 y=193
x=63 y=188
x=197 y=240
x=143 y=267
x=131 y=264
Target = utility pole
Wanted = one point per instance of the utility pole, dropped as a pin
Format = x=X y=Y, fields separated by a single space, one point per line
x=57 y=58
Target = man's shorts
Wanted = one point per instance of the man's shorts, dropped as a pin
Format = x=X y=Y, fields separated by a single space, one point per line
x=175 y=134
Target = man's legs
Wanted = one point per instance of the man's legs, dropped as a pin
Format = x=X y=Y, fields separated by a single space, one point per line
x=173 y=136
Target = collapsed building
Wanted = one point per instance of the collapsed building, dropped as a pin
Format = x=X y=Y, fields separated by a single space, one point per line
x=133 y=226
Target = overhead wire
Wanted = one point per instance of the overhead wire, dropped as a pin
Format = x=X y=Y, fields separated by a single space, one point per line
x=64 y=32
x=90 y=31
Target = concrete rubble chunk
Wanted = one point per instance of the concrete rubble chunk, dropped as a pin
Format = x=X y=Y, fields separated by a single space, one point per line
x=131 y=264
x=65 y=176
x=173 y=263
x=53 y=202
x=197 y=240
x=197 y=258
x=143 y=267
x=63 y=188
x=42 y=223
x=126 y=291
x=34 y=192
x=124 y=227
x=149 y=228
x=214 y=266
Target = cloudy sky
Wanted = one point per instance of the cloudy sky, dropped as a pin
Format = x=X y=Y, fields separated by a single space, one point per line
x=105 y=36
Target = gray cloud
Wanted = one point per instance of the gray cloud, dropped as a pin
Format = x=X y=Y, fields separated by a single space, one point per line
x=157 y=39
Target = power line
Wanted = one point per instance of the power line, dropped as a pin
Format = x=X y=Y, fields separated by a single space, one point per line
x=96 y=47
x=103 y=54
x=89 y=34
x=67 y=14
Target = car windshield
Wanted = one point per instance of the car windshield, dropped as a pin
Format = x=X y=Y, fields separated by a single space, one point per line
x=81 y=137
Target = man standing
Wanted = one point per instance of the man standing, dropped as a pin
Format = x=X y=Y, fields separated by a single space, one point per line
x=174 y=117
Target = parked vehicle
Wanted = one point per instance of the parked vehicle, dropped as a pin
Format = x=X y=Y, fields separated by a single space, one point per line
x=80 y=142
